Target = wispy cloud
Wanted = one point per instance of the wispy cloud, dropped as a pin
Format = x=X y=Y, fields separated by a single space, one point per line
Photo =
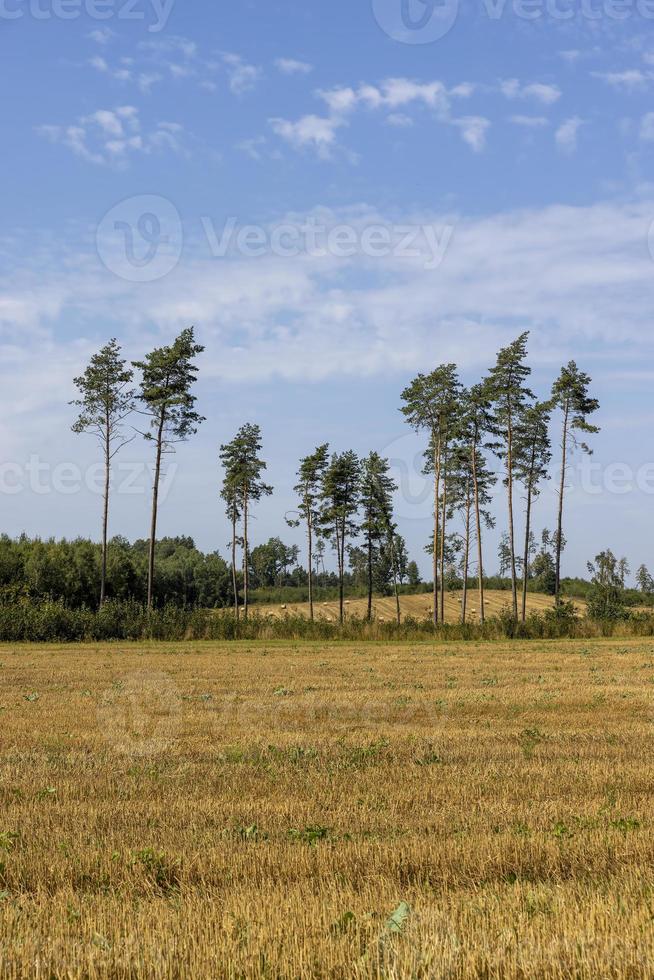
x=573 y=275
x=632 y=79
x=391 y=96
x=102 y=35
x=242 y=76
x=315 y=132
x=538 y=91
x=566 y=134
x=646 y=132
x=289 y=66
x=473 y=130
x=110 y=136
x=529 y=122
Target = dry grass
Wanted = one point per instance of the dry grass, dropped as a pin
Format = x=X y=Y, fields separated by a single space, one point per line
x=420 y=606
x=253 y=810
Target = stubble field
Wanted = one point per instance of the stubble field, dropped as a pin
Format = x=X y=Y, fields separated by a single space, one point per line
x=418 y=607
x=316 y=810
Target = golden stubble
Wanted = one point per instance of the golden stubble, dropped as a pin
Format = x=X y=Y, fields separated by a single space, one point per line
x=261 y=809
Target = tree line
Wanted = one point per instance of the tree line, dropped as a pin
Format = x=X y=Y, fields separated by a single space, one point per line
x=497 y=430
x=69 y=572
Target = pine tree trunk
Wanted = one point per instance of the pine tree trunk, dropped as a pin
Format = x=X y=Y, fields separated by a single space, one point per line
x=525 y=574
x=340 y=546
x=105 y=516
x=310 y=539
x=234 y=579
x=155 y=504
x=398 y=610
x=559 y=536
x=443 y=526
x=480 y=556
x=369 y=577
x=437 y=498
x=245 y=553
x=509 y=474
x=525 y=567
x=466 y=558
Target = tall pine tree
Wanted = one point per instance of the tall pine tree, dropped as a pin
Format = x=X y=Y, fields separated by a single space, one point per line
x=430 y=404
x=340 y=498
x=510 y=398
x=242 y=486
x=310 y=477
x=533 y=455
x=106 y=399
x=570 y=395
x=168 y=376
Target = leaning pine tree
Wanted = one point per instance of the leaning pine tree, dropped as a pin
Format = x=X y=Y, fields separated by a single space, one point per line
x=106 y=399
x=168 y=376
x=570 y=395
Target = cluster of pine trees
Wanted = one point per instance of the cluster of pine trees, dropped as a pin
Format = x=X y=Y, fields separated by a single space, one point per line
x=474 y=437
x=496 y=429
x=339 y=498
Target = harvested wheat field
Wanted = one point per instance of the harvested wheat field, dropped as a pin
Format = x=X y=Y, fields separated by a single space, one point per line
x=314 y=810
x=418 y=606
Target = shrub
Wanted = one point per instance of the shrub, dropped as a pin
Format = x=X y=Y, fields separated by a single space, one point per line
x=50 y=622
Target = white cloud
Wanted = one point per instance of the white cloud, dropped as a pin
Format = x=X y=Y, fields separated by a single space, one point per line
x=102 y=65
x=146 y=81
x=547 y=94
x=102 y=35
x=399 y=119
x=242 y=77
x=289 y=66
x=390 y=95
x=575 y=276
x=566 y=134
x=473 y=131
x=175 y=45
x=110 y=135
x=339 y=99
x=529 y=122
x=633 y=79
x=111 y=122
x=316 y=132
x=647 y=127
x=253 y=148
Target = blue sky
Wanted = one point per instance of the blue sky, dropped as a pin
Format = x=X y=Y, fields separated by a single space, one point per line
x=461 y=188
